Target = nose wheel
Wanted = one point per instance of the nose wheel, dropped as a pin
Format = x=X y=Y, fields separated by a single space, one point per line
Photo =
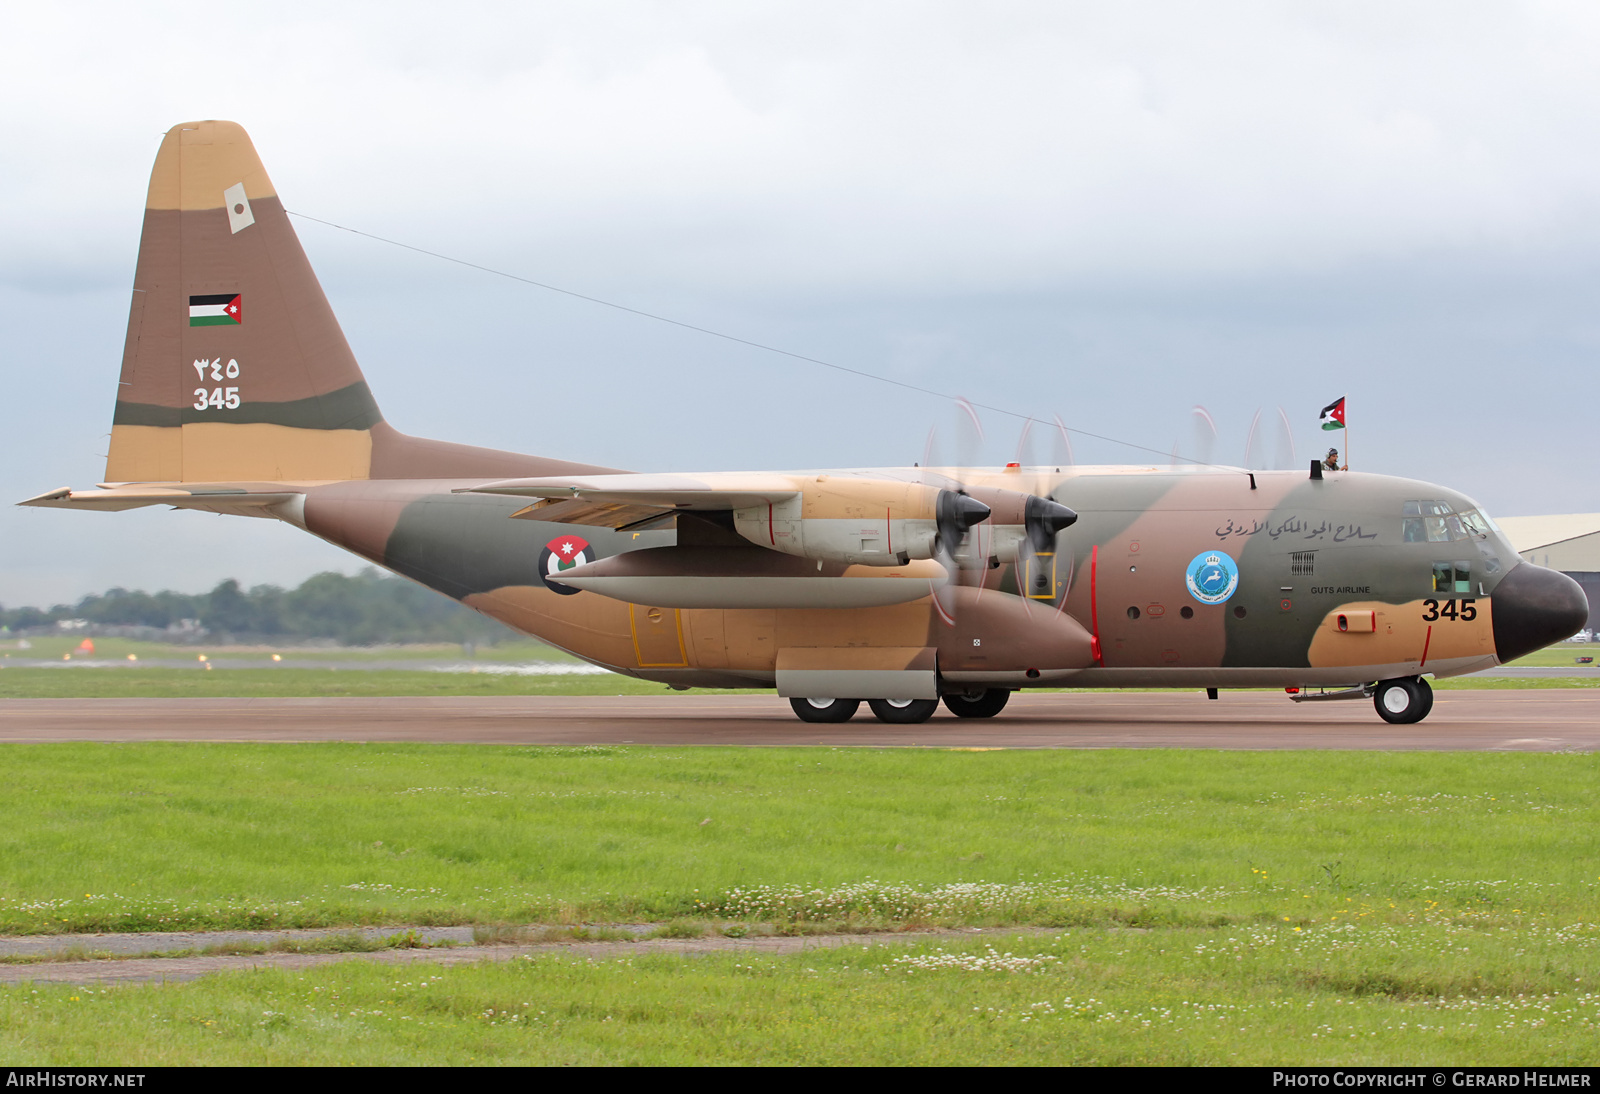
x=1403 y=701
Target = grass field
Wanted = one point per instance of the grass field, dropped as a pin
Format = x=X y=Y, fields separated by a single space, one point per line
x=133 y=683
x=1206 y=907
x=65 y=646
x=1216 y=907
x=1081 y=997
x=167 y=836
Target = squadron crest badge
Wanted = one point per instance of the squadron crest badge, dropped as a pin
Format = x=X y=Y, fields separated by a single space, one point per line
x=1212 y=577
x=563 y=553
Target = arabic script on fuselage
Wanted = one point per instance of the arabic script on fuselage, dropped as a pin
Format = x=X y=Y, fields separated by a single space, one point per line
x=1294 y=527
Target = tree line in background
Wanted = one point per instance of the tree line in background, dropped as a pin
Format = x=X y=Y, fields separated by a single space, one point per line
x=368 y=608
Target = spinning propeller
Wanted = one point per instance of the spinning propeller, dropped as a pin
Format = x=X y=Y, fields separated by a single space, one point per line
x=982 y=525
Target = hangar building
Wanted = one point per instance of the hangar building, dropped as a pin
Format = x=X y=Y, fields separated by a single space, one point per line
x=1569 y=542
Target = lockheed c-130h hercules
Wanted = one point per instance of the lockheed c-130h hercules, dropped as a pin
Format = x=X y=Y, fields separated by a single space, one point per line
x=900 y=587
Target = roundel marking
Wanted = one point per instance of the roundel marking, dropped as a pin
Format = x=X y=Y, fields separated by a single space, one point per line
x=563 y=553
x=1212 y=577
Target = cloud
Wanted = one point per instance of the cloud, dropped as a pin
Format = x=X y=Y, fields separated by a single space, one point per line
x=909 y=146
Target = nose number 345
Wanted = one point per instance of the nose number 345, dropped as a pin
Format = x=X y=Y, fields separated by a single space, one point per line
x=1467 y=612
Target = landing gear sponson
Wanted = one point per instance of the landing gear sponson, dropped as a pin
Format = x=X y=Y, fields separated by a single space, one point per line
x=983 y=704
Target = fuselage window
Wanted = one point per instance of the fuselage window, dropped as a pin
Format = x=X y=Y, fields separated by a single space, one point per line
x=1452 y=577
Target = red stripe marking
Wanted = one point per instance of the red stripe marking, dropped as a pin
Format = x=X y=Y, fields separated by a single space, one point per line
x=1426 y=642
x=772 y=531
x=1094 y=605
x=888 y=530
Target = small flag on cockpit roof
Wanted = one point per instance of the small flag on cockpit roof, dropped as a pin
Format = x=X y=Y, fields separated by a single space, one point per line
x=1333 y=414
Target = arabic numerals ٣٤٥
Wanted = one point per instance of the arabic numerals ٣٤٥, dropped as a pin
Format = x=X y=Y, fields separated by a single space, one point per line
x=218 y=397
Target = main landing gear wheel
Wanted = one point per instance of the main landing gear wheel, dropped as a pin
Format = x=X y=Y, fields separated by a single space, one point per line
x=1403 y=701
x=825 y=710
x=985 y=704
x=903 y=712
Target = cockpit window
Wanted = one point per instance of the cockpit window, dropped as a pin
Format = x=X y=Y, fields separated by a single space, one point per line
x=1432 y=521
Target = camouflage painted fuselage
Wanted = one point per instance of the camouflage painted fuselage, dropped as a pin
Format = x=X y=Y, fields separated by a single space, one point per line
x=1305 y=552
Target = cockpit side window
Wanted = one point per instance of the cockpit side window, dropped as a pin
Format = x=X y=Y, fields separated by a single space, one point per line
x=1452 y=577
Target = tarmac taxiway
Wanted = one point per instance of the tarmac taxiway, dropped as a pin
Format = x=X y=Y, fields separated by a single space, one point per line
x=1530 y=720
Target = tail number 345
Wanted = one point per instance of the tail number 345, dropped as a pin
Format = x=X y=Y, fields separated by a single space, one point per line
x=1466 y=612
x=216 y=398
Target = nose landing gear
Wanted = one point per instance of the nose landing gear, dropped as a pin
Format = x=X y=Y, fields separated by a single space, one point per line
x=1403 y=701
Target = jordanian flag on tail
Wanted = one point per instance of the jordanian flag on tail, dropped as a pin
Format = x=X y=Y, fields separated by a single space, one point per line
x=218 y=310
x=1333 y=414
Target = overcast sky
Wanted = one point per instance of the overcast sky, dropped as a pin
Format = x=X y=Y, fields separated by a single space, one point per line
x=1113 y=212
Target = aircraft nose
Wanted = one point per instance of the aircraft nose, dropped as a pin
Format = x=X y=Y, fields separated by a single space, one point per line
x=1534 y=607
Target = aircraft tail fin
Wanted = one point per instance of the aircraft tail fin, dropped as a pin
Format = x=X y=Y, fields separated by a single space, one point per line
x=235 y=367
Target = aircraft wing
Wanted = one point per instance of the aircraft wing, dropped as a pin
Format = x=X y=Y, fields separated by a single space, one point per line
x=662 y=492
x=592 y=514
x=233 y=498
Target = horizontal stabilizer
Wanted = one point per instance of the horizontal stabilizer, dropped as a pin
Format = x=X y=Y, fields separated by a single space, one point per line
x=233 y=498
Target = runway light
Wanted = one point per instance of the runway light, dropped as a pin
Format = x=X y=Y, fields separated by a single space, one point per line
x=277 y=657
x=133 y=657
x=202 y=657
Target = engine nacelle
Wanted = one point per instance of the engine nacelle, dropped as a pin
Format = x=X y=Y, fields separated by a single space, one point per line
x=885 y=522
x=871 y=522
